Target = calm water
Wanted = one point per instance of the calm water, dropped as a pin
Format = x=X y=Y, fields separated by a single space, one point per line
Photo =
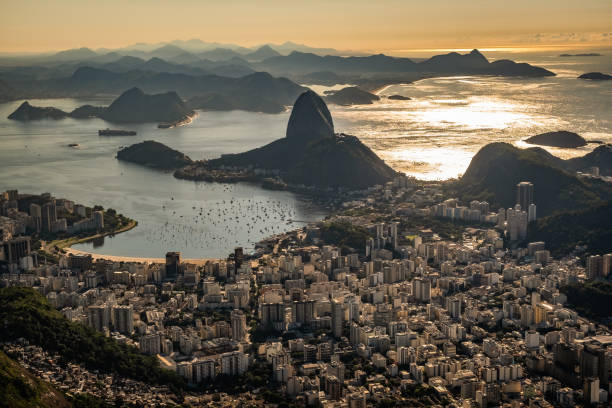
x=432 y=136
x=198 y=219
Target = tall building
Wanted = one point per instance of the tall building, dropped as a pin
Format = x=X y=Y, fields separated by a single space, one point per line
x=173 y=262
x=98 y=218
x=123 y=319
x=531 y=213
x=607 y=265
x=239 y=326
x=595 y=266
x=234 y=363
x=150 y=344
x=337 y=317
x=98 y=317
x=49 y=215
x=524 y=194
x=36 y=214
x=421 y=289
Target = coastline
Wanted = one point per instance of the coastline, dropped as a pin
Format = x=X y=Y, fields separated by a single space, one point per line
x=117 y=258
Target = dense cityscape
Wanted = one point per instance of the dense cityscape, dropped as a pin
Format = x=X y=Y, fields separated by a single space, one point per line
x=326 y=204
x=358 y=310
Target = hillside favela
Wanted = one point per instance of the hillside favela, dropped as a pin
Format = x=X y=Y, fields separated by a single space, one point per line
x=283 y=204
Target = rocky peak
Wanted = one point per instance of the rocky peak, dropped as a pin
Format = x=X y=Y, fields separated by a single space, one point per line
x=310 y=119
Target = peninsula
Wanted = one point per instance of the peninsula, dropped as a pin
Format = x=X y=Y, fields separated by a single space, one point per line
x=311 y=154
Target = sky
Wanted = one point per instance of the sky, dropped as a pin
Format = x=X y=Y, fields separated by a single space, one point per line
x=361 y=25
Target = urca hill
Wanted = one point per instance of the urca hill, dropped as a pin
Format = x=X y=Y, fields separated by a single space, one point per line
x=313 y=154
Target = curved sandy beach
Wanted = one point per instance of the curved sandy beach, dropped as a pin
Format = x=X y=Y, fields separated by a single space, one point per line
x=116 y=258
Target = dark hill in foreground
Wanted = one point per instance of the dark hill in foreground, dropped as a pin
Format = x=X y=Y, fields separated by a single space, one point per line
x=20 y=389
x=25 y=313
x=312 y=154
x=153 y=154
x=600 y=157
x=496 y=169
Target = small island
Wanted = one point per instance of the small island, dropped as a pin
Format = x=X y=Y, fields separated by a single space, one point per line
x=399 y=98
x=351 y=95
x=595 y=76
x=26 y=112
x=561 y=138
x=155 y=155
x=132 y=106
x=116 y=132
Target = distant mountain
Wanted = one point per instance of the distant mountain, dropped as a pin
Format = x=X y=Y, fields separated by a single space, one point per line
x=26 y=112
x=262 y=53
x=134 y=106
x=90 y=81
x=246 y=102
x=168 y=52
x=561 y=138
x=596 y=76
x=497 y=168
x=473 y=63
x=219 y=54
x=351 y=95
x=153 y=154
x=7 y=92
x=288 y=47
x=74 y=55
x=312 y=154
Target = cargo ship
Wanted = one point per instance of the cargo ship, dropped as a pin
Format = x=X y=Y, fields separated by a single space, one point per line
x=116 y=132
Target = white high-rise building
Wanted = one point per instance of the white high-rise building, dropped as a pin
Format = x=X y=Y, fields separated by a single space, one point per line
x=531 y=213
x=239 y=327
x=337 y=317
x=421 y=289
x=98 y=317
x=234 y=363
x=123 y=319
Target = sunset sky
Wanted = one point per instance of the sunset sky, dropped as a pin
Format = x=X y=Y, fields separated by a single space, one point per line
x=365 y=25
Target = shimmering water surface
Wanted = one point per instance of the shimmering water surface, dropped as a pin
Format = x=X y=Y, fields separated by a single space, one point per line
x=432 y=136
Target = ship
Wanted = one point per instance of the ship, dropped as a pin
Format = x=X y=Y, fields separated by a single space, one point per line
x=116 y=132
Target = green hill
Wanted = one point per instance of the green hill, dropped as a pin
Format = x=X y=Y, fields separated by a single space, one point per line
x=562 y=232
x=24 y=313
x=497 y=168
x=19 y=388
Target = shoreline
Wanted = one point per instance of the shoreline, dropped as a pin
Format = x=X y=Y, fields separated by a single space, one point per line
x=119 y=258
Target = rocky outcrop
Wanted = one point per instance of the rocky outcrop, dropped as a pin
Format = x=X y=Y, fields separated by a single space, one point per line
x=595 y=76
x=561 y=138
x=310 y=119
x=351 y=95
x=154 y=154
x=26 y=112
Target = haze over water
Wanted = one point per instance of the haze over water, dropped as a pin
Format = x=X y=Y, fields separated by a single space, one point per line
x=432 y=136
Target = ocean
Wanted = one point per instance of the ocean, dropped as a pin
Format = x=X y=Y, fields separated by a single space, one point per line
x=433 y=136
